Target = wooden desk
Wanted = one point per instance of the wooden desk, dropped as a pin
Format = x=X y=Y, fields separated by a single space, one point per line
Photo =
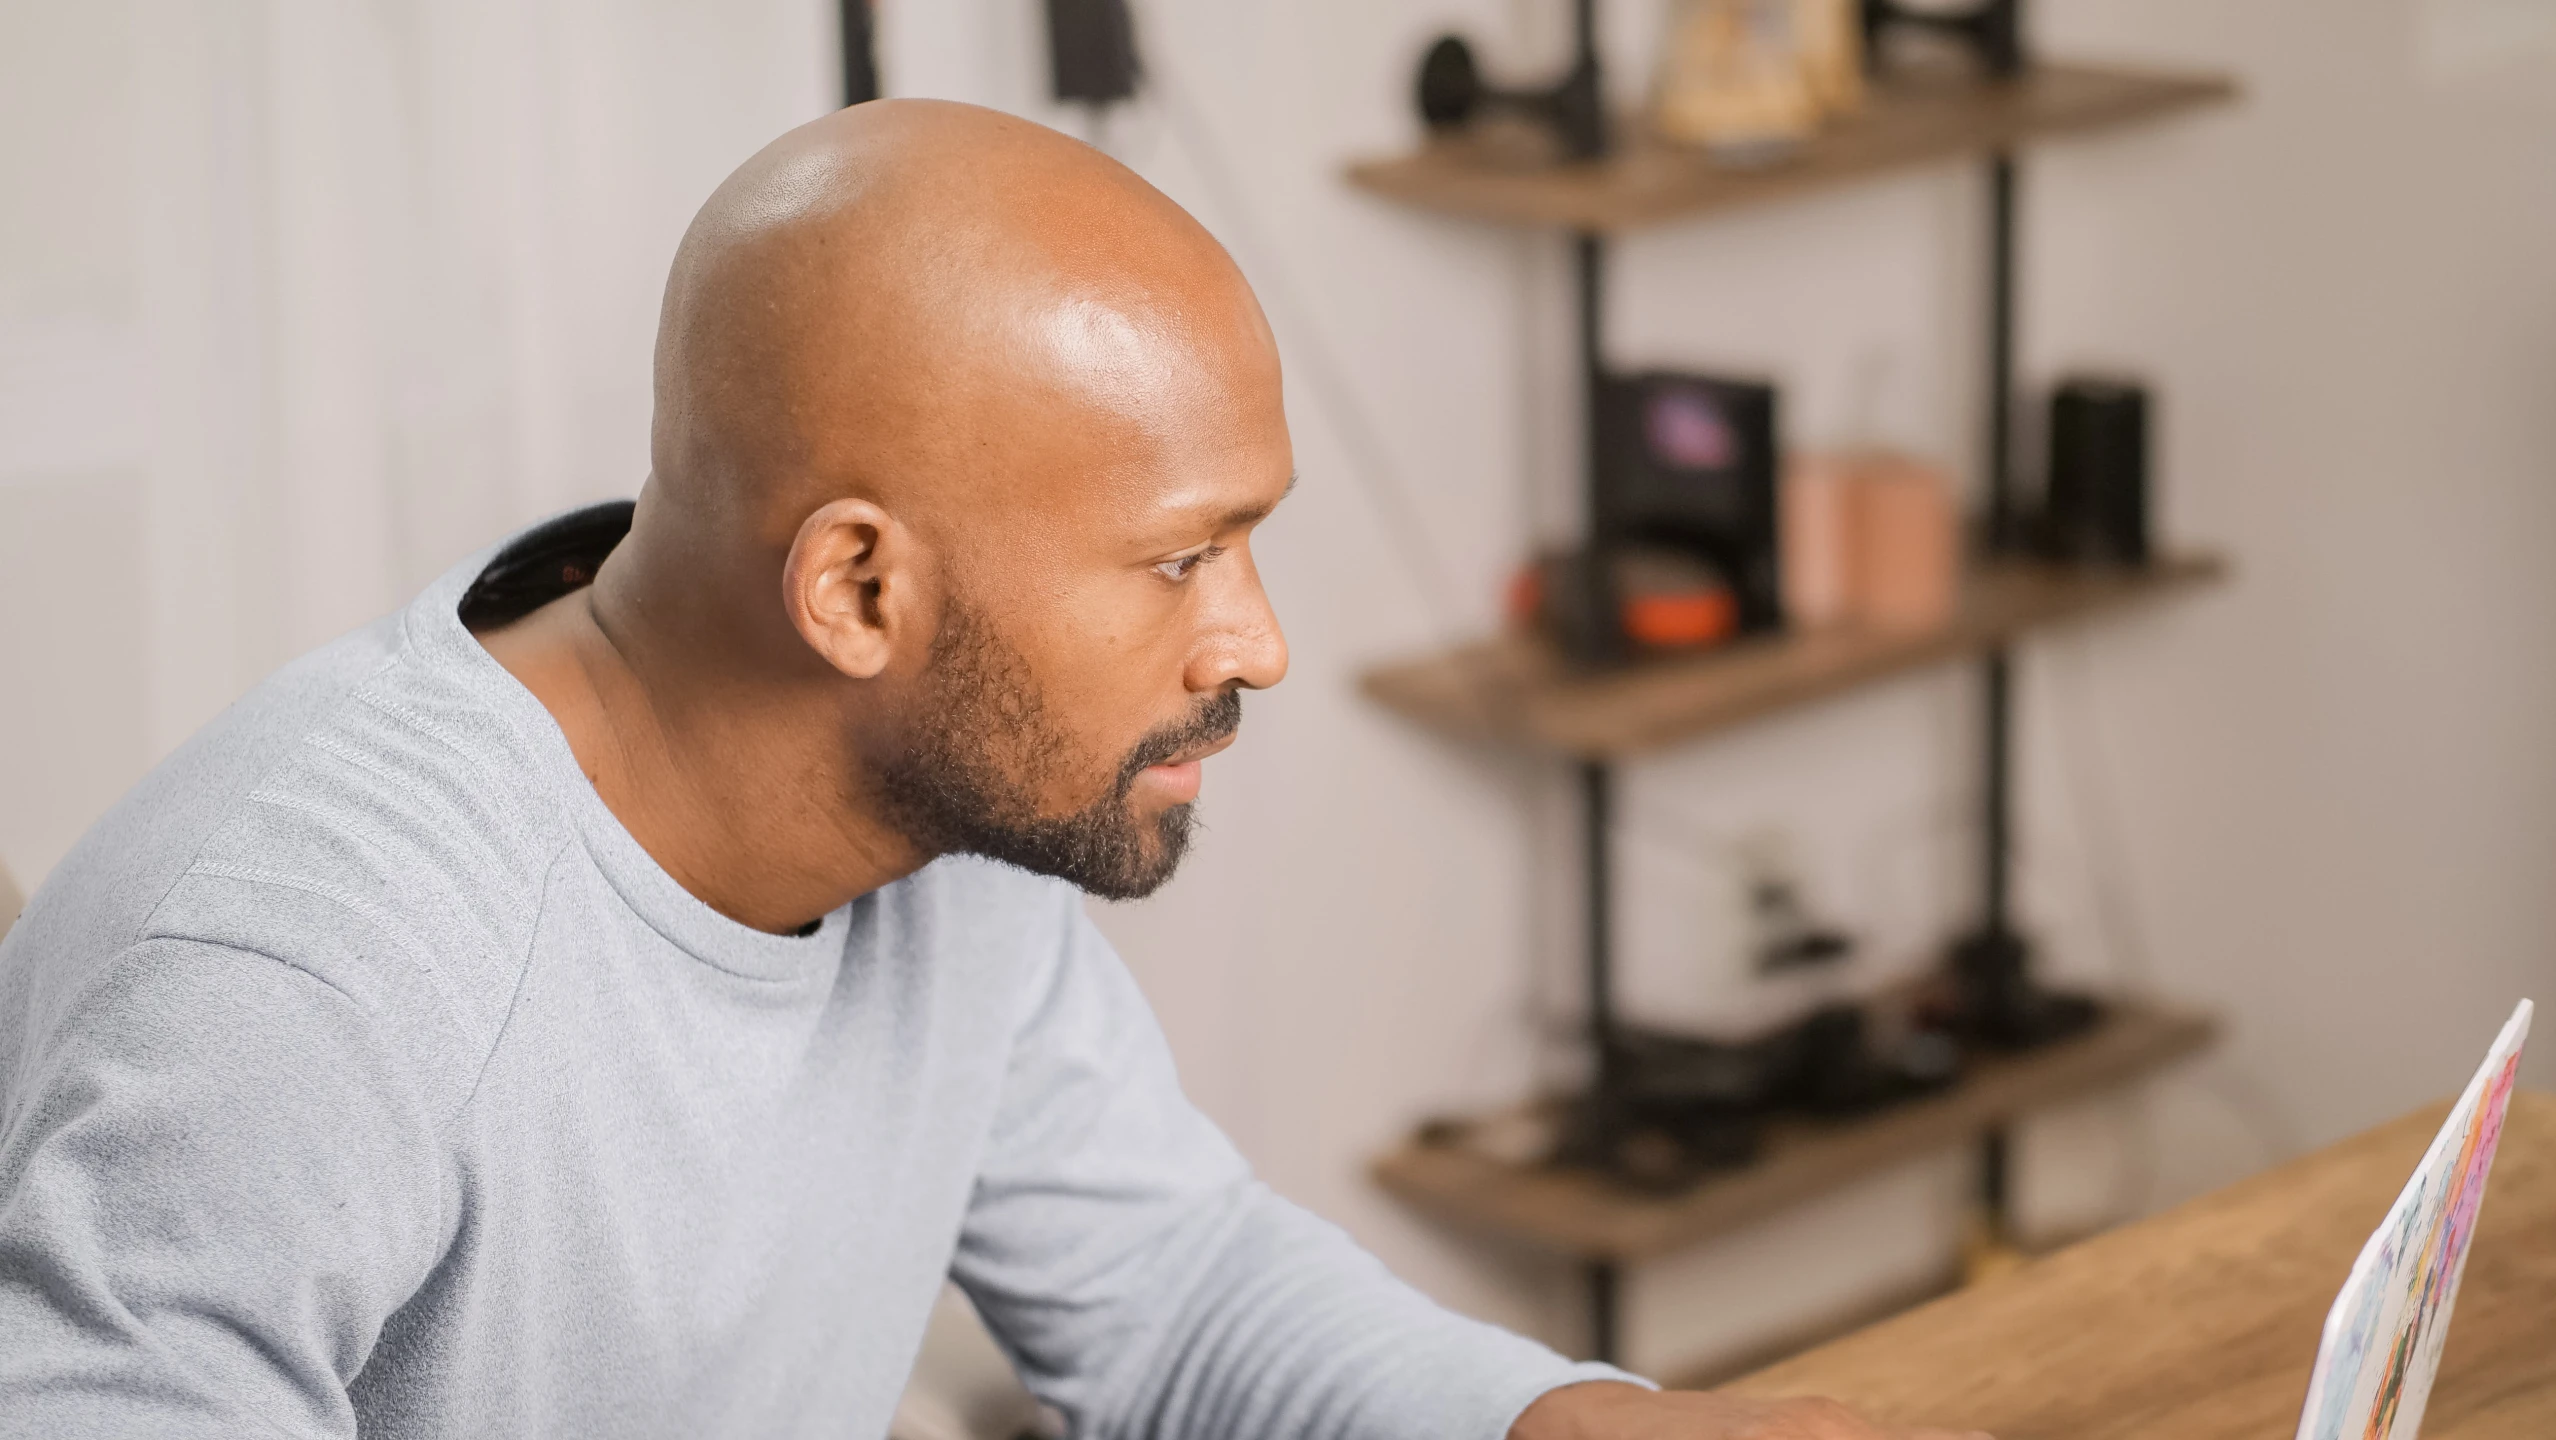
x=2201 y=1324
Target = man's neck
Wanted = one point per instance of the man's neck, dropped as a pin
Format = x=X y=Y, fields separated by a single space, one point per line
x=745 y=809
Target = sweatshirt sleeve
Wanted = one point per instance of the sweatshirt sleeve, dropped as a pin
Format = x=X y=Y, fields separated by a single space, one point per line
x=213 y=1191
x=1147 y=1286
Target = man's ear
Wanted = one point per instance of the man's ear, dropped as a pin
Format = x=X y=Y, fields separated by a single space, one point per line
x=853 y=585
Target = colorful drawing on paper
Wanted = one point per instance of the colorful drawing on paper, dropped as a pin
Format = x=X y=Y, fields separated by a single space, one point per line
x=2383 y=1337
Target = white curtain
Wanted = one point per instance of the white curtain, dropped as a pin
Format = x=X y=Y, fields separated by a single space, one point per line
x=300 y=301
x=411 y=252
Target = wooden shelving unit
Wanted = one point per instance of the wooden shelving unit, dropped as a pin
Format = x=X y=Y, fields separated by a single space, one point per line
x=1907 y=124
x=1517 y=691
x=1587 y=1217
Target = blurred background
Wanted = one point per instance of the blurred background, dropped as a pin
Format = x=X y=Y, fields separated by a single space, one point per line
x=300 y=303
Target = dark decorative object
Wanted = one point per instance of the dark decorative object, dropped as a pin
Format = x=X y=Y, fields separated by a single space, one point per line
x=1990 y=29
x=1789 y=937
x=1452 y=95
x=2097 y=506
x=1682 y=1107
x=1995 y=1002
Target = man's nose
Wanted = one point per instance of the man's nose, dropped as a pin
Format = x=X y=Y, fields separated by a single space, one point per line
x=1248 y=648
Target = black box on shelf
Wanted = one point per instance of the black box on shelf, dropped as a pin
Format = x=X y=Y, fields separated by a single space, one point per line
x=2096 y=508
x=1690 y=462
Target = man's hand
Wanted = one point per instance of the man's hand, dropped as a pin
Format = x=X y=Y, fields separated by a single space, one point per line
x=1608 y=1410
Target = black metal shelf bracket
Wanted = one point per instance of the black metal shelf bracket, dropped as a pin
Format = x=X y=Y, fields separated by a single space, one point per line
x=1597 y=784
x=1997 y=699
x=1996 y=794
x=1597 y=777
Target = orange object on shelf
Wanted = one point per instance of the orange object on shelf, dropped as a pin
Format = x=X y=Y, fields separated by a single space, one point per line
x=1869 y=538
x=1907 y=545
x=1682 y=620
x=1645 y=596
x=1815 y=537
x=1523 y=602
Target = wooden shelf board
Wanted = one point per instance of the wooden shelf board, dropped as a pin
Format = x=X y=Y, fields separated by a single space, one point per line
x=1906 y=124
x=1517 y=691
x=1581 y=1214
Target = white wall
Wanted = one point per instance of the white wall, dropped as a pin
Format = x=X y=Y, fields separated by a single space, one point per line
x=2322 y=799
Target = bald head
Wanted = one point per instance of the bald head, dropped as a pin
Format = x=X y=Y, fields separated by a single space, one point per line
x=962 y=431
x=900 y=300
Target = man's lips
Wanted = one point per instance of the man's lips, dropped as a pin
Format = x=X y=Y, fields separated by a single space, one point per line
x=1196 y=753
x=1179 y=778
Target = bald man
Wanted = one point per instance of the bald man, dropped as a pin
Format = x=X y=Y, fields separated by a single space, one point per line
x=609 y=996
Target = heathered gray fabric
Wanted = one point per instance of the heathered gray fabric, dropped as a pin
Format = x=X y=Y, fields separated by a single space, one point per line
x=359 y=1074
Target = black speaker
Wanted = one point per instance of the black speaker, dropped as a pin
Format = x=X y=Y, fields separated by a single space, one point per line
x=2097 y=507
x=1689 y=461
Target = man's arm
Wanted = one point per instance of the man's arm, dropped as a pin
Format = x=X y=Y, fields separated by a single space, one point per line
x=212 y=1193
x=1148 y=1286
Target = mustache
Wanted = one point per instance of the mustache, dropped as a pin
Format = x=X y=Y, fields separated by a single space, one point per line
x=1215 y=718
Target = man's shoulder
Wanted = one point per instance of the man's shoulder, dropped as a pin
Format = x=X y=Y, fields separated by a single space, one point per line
x=350 y=818
x=392 y=853
x=102 y=891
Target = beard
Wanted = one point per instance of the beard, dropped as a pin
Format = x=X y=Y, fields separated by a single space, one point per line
x=983 y=748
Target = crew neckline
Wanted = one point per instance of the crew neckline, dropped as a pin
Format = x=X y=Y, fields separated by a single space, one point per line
x=434 y=628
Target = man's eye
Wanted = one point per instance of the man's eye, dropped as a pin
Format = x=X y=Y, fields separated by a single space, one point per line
x=1179 y=567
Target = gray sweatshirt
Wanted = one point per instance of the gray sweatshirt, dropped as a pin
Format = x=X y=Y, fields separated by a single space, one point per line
x=359 y=1074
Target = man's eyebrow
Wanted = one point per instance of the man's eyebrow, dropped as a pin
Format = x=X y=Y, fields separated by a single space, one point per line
x=1253 y=514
